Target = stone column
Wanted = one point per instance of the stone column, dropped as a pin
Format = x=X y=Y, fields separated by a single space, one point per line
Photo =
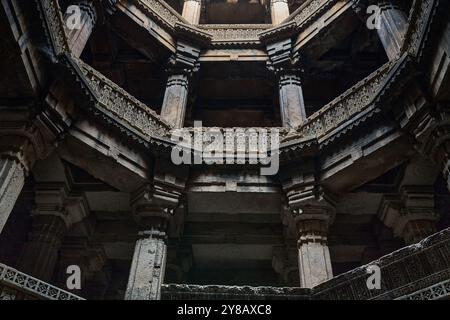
x=393 y=23
x=192 y=10
x=182 y=65
x=279 y=11
x=175 y=99
x=153 y=209
x=80 y=30
x=284 y=65
x=12 y=179
x=148 y=266
x=292 y=105
x=314 y=261
x=17 y=156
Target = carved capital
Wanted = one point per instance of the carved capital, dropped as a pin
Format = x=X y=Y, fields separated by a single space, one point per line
x=411 y=214
x=185 y=60
x=55 y=199
x=154 y=205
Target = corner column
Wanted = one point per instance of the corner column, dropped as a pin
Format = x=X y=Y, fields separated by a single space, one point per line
x=153 y=208
x=285 y=68
x=12 y=179
x=279 y=11
x=192 y=11
x=310 y=212
x=79 y=30
x=312 y=222
x=182 y=66
x=17 y=156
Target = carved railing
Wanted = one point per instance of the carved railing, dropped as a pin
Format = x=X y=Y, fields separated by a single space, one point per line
x=15 y=285
x=161 y=11
x=245 y=144
x=421 y=13
x=54 y=25
x=196 y=292
x=344 y=107
x=115 y=100
x=309 y=10
x=435 y=292
x=409 y=273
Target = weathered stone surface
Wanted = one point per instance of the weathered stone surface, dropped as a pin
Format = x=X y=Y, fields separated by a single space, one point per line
x=148 y=267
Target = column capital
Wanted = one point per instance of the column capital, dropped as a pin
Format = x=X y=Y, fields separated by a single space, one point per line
x=185 y=59
x=410 y=214
x=281 y=55
x=153 y=206
x=55 y=199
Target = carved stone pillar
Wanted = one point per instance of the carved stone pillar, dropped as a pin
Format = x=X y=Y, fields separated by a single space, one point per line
x=192 y=10
x=393 y=23
x=12 y=179
x=175 y=99
x=80 y=30
x=292 y=104
x=312 y=222
x=310 y=212
x=181 y=68
x=279 y=11
x=153 y=208
x=17 y=155
x=284 y=66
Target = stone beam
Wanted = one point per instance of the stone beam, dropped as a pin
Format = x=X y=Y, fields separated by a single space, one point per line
x=99 y=152
x=148 y=24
